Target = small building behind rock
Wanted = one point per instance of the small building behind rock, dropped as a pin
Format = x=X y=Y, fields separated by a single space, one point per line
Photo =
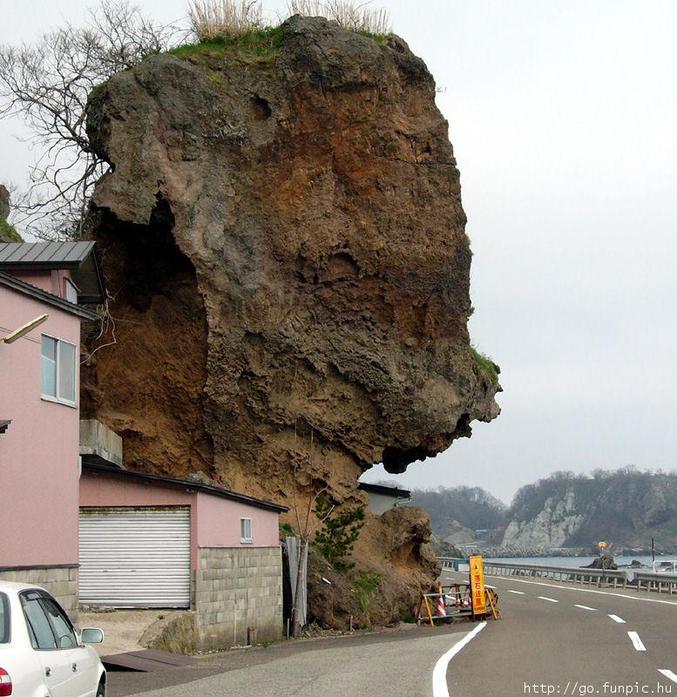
x=382 y=498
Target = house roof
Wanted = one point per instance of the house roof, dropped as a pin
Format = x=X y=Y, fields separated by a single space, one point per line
x=4 y=423
x=90 y=464
x=52 y=255
x=385 y=490
x=78 y=257
x=20 y=286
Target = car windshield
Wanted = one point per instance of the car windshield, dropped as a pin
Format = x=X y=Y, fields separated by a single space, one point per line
x=4 y=619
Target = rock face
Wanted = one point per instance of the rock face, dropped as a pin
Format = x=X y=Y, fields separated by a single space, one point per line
x=625 y=508
x=557 y=523
x=284 y=241
x=4 y=202
x=7 y=232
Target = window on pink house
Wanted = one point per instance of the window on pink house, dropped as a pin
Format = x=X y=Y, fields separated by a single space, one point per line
x=246 y=530
x=58 y=370
x=70 y=292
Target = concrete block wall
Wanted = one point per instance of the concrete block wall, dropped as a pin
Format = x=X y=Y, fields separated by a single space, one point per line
x=61 y=582
x=237 y=588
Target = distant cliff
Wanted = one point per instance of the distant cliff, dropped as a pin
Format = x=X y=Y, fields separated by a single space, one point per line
x=626 y=508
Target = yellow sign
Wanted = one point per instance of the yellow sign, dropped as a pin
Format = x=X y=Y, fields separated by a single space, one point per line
x=479 y=602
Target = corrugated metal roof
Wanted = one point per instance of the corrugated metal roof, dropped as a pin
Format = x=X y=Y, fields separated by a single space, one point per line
x=89 y=464
x=45 y=254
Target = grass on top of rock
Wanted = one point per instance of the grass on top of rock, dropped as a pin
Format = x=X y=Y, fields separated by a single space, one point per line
x=257 y=44
x=238 y=26
x=485 y=365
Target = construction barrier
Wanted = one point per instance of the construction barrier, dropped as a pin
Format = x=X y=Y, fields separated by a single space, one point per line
x=453 y=602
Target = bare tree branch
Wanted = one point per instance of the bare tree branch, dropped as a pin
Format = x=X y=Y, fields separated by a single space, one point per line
x=47 y=84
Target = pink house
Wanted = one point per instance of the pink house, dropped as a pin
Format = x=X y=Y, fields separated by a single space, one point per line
x=73 y=519
x=41 y=288
x=150 y=541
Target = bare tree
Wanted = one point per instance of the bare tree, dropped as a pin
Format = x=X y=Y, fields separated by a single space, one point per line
x=47 y=85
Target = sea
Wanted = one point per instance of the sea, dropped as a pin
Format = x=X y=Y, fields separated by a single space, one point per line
x=574 y=562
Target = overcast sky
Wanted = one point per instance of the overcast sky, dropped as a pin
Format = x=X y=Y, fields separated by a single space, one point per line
x=563 y=116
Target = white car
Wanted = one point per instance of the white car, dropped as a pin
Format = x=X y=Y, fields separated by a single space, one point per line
x=41 y=653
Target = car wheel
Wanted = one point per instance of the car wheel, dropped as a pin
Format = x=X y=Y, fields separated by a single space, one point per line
x=101 y=690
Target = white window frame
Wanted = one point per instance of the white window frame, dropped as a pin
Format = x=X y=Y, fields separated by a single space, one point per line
x=243 y=539
x=70 y=286
x=58 y=399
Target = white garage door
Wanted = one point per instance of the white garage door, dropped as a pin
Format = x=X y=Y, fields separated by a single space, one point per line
x=135 y=557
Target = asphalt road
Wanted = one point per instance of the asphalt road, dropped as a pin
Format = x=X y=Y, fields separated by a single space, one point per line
x=399 y=663
x=555 y=639
x=559 y=648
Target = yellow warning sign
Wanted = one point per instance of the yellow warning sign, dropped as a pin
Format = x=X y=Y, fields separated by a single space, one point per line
x=479 y=603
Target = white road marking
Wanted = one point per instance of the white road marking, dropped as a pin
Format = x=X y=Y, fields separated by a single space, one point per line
x=440 y=671
x=517 y=592
x=636 y=641
x=550 y=600
x=668 y=674
x=587 y=590
x=618 y=619
x=585 y=607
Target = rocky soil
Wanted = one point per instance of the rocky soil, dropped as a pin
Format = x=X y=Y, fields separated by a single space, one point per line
x=283 y=237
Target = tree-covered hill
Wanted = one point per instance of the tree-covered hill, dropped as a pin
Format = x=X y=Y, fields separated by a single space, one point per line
x=456 y=513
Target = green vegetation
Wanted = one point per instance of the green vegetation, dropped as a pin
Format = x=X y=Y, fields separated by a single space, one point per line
x=485 y=365
x=9 y=231
x=367 y=583
x=381 y=39
x=287 y=529
x=255 y=44
x=338 y=533
x=471 y=508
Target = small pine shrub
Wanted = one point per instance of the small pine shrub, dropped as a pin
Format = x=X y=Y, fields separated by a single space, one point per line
x=338 y=533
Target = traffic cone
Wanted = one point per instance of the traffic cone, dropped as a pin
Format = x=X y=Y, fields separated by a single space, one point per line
x=441 y=610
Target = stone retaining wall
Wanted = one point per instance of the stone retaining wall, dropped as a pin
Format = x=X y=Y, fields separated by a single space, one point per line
x=237 y=588
x=61 y=582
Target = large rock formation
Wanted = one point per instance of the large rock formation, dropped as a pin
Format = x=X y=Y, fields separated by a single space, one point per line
x=283 y=237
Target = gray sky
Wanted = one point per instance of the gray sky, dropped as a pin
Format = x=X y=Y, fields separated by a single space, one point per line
x=563 y=116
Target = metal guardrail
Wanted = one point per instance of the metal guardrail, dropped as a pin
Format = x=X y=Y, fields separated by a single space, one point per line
x=609 y=578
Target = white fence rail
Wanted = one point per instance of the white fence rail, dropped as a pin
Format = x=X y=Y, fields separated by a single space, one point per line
x=640 y=580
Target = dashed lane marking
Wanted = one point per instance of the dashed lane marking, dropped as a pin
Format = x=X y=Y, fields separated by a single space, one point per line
x=585 y=607
x=550 y=600
x=440 y=688
x=636 y=641
x=618 y=619
x=516 y=592
x=668 y=674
